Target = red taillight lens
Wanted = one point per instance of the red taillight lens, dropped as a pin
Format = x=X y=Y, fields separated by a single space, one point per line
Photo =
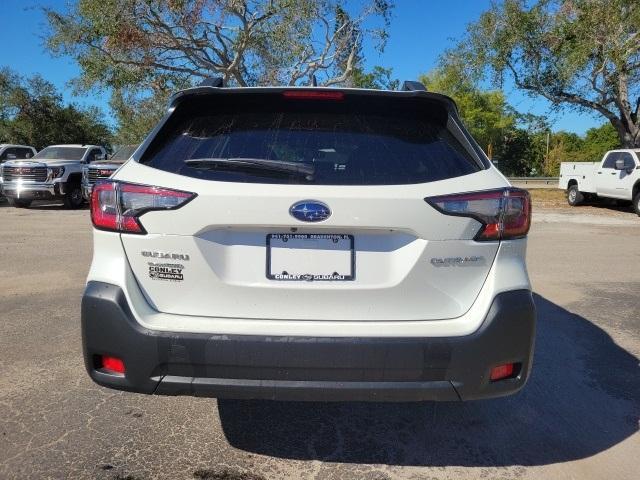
x=504 y=214
x=516 y=214
x=313 y=95
x=117 y=206
x=503 y=371
x=112 y=364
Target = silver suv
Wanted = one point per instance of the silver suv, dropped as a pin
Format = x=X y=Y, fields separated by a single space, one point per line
x=96 y=171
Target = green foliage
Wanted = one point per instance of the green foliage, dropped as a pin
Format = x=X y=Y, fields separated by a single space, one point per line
x=524 y=152
x=135 y=115
x=515 y=141
x=569 y=147
x=599 y=140
x=32 y=113
x=519 y=141
x=521 y=153
x=580 y=54
x=379 y=78
x=485 y=113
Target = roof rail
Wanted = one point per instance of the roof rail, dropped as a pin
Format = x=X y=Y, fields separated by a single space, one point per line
x=216 y=82
x=413 y=86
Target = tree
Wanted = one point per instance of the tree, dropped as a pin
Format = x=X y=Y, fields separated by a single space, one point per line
x=378 y=78
x=485 y=113
x=599 y=140
x=136 y=115
x=160 y=43
x=582 y=54
x=32 y=113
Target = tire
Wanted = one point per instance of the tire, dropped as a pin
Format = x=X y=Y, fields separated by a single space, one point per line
x=73 y=198
x=20 y=202
x=574 y=196
x=636 y=203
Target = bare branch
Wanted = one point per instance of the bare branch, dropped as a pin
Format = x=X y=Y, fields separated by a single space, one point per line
x=247 y=42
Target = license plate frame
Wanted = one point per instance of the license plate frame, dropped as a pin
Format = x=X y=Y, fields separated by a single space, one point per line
x=309 y=277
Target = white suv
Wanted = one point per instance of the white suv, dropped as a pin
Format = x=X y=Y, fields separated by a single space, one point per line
x=309 y=244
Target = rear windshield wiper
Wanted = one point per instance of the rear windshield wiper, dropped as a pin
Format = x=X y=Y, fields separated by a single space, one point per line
x=254 y=164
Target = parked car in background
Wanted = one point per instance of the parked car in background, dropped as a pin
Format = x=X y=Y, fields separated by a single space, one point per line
x=617 y=177
x=15 y=152
x=310 y=244
x=95 y=171
x=53 y=173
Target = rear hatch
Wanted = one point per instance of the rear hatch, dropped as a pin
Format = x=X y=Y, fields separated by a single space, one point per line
x=310 y=205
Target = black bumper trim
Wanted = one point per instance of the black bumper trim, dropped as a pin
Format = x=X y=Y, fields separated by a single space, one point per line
x=307 y=390
x=307 y=368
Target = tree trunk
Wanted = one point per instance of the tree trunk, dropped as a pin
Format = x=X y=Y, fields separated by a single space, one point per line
x=628 y=133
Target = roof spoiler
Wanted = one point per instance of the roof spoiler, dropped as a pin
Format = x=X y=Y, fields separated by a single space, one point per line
x=413 y=86
x=407 y=85
x=216 y=82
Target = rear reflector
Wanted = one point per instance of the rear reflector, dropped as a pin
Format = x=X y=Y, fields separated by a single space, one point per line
x=502 y=371
x=313 y=95
x=504 y=214
x=112 y=364
x=117 y=206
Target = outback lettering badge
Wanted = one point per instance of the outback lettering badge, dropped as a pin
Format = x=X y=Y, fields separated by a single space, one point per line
x=453 y=261
x=165 y=255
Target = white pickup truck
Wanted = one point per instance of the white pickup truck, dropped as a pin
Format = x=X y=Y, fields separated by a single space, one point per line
x=617 y=176
x=55 y=172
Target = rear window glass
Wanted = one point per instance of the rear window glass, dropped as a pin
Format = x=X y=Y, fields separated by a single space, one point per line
x=357 y=141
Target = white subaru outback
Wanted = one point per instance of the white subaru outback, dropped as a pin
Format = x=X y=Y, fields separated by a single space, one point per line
x=309 y=244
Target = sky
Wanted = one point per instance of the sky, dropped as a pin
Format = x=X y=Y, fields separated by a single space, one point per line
x=420 y=31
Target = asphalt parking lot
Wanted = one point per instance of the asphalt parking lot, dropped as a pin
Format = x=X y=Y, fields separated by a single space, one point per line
x=578 y=417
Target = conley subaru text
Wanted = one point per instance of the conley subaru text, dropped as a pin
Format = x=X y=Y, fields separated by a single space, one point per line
x=309 y=243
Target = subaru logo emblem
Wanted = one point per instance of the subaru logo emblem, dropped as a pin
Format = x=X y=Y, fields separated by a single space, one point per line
x=310 y=211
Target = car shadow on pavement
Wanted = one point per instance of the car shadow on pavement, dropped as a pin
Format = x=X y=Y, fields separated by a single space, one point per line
x=613 y=205
x=582 y=398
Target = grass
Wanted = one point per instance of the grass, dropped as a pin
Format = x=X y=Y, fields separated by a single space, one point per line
x=548 y=197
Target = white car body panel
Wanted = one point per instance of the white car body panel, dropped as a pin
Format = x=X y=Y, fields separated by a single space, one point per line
x=225 y=290
x=583 y=172
x=507 y=273
x=225 y=273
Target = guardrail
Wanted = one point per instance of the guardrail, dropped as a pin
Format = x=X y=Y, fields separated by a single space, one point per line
x=534 y=182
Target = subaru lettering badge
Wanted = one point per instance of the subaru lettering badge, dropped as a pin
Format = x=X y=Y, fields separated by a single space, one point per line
x=310 y=211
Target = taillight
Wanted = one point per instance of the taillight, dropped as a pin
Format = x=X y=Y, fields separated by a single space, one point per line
x=313 y=95
x=504 y=214
x=117 y=206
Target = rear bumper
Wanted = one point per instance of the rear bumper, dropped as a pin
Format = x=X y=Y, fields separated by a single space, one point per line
x=308 y=368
